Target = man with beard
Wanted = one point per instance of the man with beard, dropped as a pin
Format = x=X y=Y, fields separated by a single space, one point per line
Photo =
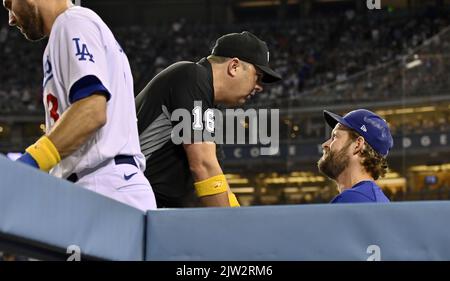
x=91 y=132
x=188 y=174
x=355 y=155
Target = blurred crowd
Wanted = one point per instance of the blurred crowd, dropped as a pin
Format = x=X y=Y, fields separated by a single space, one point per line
x=318 y=57
x=20 y=72
x=324 y=59
x=305 y=127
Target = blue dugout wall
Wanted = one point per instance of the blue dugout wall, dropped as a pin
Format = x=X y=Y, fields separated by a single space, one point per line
x=42 y=216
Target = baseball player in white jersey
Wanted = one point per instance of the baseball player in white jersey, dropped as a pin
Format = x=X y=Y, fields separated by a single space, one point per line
x=91 y=127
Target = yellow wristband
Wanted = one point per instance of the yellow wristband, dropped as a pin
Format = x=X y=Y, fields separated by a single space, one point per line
x=233 y=200
x=211 y=186
x=44 y=153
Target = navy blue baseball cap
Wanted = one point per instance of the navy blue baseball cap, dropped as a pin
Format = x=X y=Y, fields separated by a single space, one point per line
x=247 y=47
x=370 y=126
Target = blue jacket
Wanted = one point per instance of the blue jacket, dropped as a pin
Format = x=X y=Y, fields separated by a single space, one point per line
x=362 y=192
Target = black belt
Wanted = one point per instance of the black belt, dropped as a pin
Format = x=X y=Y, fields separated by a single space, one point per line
x=119 y=159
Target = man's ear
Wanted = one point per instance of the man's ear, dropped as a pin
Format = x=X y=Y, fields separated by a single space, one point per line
x=233 y=66
x=359 y=145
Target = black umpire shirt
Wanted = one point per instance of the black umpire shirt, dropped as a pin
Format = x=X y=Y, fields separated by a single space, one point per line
x=176 y=87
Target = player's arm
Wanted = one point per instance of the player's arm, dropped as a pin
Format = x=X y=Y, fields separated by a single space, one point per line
x=76 y=125
x=85 y=83
x=210 y=183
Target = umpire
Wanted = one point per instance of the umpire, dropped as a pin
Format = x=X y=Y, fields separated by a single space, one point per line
x=188 y=175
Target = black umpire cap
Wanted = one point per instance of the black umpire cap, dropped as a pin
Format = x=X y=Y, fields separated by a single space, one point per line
x=249 y=48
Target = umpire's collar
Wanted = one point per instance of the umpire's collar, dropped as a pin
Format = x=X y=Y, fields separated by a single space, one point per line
x=207 y=65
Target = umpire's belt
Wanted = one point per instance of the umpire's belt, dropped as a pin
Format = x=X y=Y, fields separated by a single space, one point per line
x=119 y=159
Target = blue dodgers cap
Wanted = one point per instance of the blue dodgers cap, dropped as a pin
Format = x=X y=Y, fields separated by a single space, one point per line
x=370 y=126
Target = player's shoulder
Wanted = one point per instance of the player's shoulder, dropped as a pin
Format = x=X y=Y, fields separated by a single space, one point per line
x=197 y=78
x=182 y=66
x=80 y=13
x=365 y=187
x=182 y=72
x=180 y=77
x=77 y=18
x=176 y=75
x=355 y=196
x=364 y=191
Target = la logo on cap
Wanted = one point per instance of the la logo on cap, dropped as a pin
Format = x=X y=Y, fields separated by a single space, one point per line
x=364 y=128
x=268 y=56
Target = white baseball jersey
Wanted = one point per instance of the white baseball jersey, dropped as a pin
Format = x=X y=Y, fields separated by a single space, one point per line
x=82 y=57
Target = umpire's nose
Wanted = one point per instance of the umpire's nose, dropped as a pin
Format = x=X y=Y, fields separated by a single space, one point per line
x=258 y=88
x=11 y=19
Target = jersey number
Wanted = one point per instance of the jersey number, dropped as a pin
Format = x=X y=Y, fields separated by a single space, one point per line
x=208 y=116
x=52 y=105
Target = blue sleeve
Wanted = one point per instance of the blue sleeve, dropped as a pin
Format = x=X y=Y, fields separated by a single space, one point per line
x=87 y=86
x=351 y=197
x=28 y=159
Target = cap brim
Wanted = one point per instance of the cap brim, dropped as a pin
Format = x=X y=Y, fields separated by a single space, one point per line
x=269 y=76
x=332 y=119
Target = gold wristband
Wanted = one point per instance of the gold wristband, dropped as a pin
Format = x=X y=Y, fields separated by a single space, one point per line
x=44 y=153
x=233 y=200
x=211 y=186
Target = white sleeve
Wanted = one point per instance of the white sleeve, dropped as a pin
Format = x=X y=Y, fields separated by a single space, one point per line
x=81 y=56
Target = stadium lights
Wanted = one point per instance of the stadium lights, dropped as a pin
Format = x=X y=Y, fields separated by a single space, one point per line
x=413 y=64
x=237 y=181
x=392 y=181
x=301 y=174
x=433 y=168
x=291 y=190
x=310 y=189
x=232 y=176
x=425 y=109
x=391 y=175
x=407 y=110
x=404 y=110
x=281 y=180
x=416 y=62
x=243 y=190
